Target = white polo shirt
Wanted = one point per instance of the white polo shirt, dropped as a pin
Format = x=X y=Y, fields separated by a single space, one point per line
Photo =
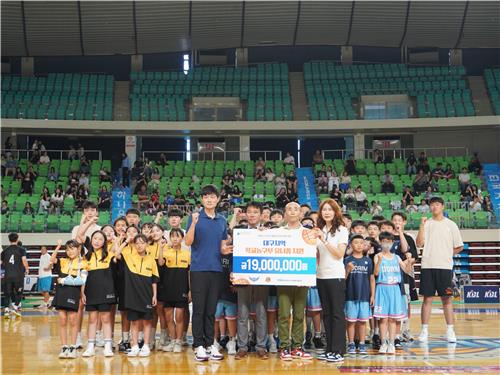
x=330 y=267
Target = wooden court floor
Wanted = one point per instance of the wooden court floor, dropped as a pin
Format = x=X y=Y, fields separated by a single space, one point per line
x=30 y=346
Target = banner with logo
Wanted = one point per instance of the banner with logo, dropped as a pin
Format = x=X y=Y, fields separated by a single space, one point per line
x=481 y=294
x=274 y=257
x=121 y=201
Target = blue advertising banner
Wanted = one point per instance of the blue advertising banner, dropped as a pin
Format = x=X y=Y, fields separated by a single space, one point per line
x=481 y=294
x=121 y=201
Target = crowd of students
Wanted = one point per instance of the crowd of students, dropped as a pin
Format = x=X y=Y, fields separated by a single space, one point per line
x=364 y=276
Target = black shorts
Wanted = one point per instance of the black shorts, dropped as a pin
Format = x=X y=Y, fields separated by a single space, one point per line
x=134 y=315
x=102 y=307
x=433 y=280
x=178 y=304
x=13 y=284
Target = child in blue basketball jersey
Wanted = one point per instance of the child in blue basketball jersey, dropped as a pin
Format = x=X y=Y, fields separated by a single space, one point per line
x=389 y=304
x=360 y=292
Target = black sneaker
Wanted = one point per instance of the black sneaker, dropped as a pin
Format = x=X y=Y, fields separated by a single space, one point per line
x=123 y=346
x=223 y=342
x=307 y=342
x=376 y=342
x=140 y=343
x=318 y=343
x=397 y=344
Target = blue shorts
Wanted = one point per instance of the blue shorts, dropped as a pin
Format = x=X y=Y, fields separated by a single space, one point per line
x=45 y=284
x=226 y=309
x=313 y=301
x=357 y=311
x=389 y=303
x=272 y=303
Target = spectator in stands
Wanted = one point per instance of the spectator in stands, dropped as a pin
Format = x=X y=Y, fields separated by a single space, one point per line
x=10 y=166
x=137 y=171
x=104 y=175
x=336 y=195
x=438 y=172
x=72 y=153
x=487 y=206
x=169 y=199
x=5 y=208
x=227 y=184
x=292 y=195
x=387 y=183
x=148 y=168
x=377 y=156
x=376 y=208
x=411 y=208
x=395 y=204
x=333 y=179
x=237 y=195
x=58 y=197
x=360 y=196
x=104 y=200
x=280 y=182
x=44 y=159
x=163 y=160
x=3 y=193
x=475 y=165
x=71 y=192
x=151 y=209
x=475 y=205
x=424 y=207
x=464 y=179
x=322 y=182
x=411 y=164
x=81 y=196
x=345 y=181
x=84 y=165
x=260 y=165
x=421 y=157
x=141 y=181
x=143 y=197
x=3 y=163
x=477 y=192
x=80 y=151
x=323 y=169
x=282 y=198
x=28 y=181
x=259 y=177
x=448 y=172
x=28 y=210
x=225 y=200
x=239 y=176
x=125 y=170
x=420 y=182
x=289 y=159
x=434 y=183
x=350 y=165
x=8 y=145
x=291 y=182
x=424 y=166
x=317 y=158
x=53 y=175
x=19 y=175
x=270 y=175
x=180 y=199
x=35 y=156
x=429 y=193
x=84 y=180
x=407 y=196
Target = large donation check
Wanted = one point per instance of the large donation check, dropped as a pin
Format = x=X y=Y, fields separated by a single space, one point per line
x=274 y=257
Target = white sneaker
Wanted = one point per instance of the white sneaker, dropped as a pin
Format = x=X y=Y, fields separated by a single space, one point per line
x=108 y=352
x=231 y=347
x=99 y=339
x=6 y=313
x=90 y=352
x=178 y=347
x=450 y=336
x=215 y=354
x=164 y=339
x=79 y=343
x=134 y=351
x=169 y=347
x=391 y=349
x=273 y=347
x=424 y=335
x=383 y=348
x=71 y=352
x=64 y=352
x=217 y=345
x=200 y=354
x=145 y=351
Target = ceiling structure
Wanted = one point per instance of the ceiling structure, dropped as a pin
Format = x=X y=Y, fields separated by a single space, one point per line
x=64 y=28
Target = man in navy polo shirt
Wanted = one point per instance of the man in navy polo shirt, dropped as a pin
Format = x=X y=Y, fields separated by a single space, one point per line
x=207 y=235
